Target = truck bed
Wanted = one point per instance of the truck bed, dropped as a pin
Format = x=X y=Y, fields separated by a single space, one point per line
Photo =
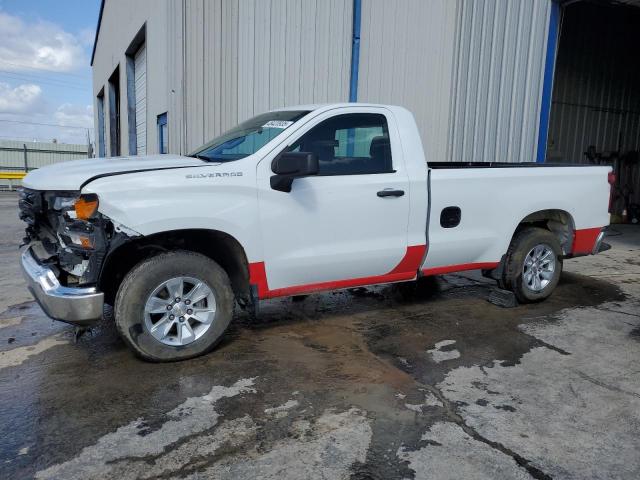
x=457 y=165
x=491 y=199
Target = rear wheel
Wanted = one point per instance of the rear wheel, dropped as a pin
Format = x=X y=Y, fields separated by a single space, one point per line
x=533 y=264
x=174 y=306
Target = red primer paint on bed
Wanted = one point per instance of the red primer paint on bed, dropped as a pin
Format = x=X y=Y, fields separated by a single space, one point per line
x=584 y=240
x=405 y=270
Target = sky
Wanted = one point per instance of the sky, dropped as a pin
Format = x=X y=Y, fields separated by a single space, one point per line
x=45 y=76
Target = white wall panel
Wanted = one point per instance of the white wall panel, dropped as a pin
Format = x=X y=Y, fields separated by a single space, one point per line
x=121 y=22
x=247 y=61
x=175 y=73
x=470 y=70
x=194 y=74
x=406 y=59
x=497 y=80
x=237 y=58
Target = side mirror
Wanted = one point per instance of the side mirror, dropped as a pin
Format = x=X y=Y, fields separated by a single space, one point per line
x=290 y=165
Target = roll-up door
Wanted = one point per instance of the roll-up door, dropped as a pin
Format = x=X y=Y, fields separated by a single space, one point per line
x=140 y=60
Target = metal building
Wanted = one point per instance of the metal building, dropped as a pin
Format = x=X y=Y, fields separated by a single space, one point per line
x=487 y=80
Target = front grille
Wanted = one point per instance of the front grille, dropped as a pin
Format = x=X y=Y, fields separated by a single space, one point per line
x=32 y=211
x=30 y=206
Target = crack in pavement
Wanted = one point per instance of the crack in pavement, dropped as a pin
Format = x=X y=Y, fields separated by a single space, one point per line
x=611 y=388
x=195 y=414
x=455 y=417
x=610 y=310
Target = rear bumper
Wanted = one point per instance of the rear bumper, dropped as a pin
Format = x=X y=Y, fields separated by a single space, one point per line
x=78 y=306
x=599 y=245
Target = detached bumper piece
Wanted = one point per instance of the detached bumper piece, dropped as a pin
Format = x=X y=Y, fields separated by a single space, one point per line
x=78 y=306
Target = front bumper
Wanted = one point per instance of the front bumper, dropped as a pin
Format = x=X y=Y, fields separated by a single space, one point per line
x=78 y=306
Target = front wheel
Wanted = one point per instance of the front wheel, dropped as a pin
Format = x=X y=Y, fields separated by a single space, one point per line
x=533 y=264
x=174 y=306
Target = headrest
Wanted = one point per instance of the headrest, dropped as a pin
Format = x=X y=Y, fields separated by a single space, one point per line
x=380 y=146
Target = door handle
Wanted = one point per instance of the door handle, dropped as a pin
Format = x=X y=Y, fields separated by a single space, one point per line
x=390 y=193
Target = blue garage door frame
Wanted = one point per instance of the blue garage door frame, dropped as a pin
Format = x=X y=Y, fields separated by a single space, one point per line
x=355 y=51
x=547 y=86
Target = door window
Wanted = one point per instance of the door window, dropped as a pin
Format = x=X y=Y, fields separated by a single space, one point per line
x=351 y=144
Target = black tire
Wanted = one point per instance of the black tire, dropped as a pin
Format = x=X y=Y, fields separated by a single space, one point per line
x=144 y=278
x=523 y=242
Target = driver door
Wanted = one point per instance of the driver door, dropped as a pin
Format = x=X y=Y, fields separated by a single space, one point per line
x=346 y=226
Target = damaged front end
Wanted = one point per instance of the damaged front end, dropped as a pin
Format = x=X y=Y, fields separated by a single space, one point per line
x=66 y=240
x=67 y=233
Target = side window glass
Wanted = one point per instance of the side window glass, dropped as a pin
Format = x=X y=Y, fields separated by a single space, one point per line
x=351 y=144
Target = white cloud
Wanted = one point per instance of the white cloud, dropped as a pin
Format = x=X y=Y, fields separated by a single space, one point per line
x=21 y=99
x=74 y=115
x=67 y=123
x=33 y=111
x=39 y=45
x=87 y=36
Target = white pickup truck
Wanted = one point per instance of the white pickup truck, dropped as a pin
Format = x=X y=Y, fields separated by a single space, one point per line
x=291 y=202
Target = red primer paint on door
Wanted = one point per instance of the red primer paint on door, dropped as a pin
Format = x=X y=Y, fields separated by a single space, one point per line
x=407 y=269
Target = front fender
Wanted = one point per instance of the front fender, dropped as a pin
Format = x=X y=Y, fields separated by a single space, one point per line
x=183 y=199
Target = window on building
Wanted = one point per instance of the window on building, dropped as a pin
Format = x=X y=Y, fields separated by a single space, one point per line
x=351 y=144
x=100 y=110
x=163 y=135
x=114 y=113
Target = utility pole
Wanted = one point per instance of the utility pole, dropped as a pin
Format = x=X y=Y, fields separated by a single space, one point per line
x=26 y=163
x=89 y=146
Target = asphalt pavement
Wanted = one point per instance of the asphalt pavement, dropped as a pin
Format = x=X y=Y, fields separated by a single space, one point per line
x=424 y=381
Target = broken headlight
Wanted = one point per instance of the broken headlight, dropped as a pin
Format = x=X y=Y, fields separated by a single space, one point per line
x=82 y=207
x=76 y=227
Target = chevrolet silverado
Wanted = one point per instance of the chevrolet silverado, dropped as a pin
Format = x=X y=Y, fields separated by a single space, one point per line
x=290 y=202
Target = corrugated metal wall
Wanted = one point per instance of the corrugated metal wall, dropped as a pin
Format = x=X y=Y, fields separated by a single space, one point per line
x=470 y=70
x=39 y=154
x=175 y=80
x=497 y=80
x=246 y=57
x=596 y=99
x=406 y=59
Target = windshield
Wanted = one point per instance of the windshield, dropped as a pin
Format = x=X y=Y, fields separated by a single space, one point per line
x=248 y=137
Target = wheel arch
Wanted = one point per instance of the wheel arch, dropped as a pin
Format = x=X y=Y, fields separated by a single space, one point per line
x=217 y=245
x=557 y=221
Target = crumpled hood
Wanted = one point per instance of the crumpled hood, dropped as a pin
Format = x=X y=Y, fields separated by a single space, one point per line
x=73 y=174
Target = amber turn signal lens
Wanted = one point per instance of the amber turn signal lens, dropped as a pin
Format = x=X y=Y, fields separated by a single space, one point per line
x=86 y=206
x=86 y=242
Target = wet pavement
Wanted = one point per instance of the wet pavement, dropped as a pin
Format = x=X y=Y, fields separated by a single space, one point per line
x=407 y=381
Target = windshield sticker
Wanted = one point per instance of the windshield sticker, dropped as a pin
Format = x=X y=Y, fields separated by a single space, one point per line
x=282 y=124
